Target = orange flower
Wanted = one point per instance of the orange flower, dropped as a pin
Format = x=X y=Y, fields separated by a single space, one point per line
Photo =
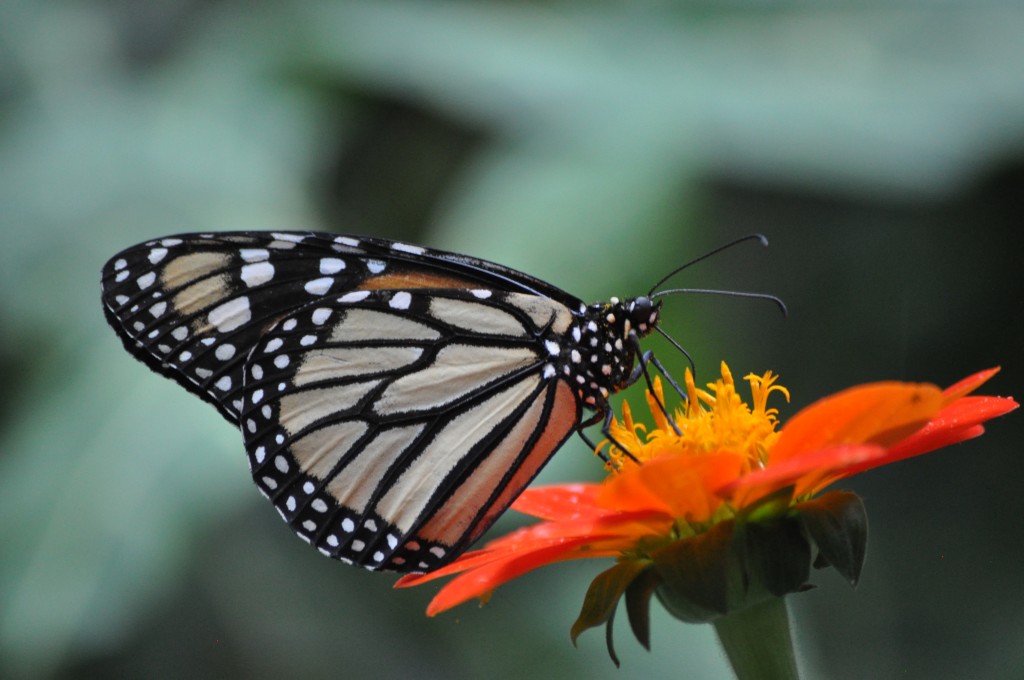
x=717 y=463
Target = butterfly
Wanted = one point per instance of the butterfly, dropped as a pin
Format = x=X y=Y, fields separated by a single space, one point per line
x=393 y=399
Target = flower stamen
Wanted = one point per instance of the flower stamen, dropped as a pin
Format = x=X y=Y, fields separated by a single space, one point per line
x=712 y=420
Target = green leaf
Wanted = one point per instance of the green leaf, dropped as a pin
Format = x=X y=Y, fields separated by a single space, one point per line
x=837 y=522
x=603 y=596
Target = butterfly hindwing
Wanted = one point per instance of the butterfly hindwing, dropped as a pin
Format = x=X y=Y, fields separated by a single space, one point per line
x=391 y=427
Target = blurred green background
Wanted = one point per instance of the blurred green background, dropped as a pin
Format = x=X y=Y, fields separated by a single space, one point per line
x=594 y=144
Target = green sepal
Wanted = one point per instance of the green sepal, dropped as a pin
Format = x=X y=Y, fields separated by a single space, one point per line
x=603 y=596
x=609 y=642
x=776 y=557
x=699 y=575
x=837 y=523
x=638 y=605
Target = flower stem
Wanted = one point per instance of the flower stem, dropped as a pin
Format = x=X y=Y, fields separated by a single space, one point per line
x=758 y=643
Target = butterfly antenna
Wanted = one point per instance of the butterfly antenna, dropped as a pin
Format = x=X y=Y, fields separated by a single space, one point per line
x=732 y=293
x=743 y=239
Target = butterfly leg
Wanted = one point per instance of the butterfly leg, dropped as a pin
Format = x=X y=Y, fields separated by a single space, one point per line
x=641 y=369
x=603 y=416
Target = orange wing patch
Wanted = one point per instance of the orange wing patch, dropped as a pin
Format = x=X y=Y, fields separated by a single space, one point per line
x=413 y=280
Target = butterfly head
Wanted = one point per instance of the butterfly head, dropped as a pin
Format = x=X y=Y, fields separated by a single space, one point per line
x=641 y=315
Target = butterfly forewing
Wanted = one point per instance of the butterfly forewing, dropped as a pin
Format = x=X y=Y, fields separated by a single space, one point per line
x=193 y=306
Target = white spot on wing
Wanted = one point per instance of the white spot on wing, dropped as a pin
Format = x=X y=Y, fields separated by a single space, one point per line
x=319 y=286
x=354 y=296
x=147 y=279
x=321 y=315
x=157 y=254
x=331 y=265
x=254 y=254
x=257 y=273
x=400 y=300
x=375 y=266
x=408 y=248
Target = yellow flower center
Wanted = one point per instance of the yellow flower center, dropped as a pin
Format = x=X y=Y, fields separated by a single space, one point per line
x=711 y=420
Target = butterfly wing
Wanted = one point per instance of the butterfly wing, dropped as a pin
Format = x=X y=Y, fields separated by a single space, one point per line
x=392 y=427
x=394 y=399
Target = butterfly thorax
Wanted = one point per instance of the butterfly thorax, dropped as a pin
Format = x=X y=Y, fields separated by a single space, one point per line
x=599 y=357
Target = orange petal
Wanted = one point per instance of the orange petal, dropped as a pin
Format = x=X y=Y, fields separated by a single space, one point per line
x=477 y=582
x=879 y=413
x=561 y=501
x=968 y=384
x=604 y=534
x=959 y=421
x=808 y=472
x=678 y=485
